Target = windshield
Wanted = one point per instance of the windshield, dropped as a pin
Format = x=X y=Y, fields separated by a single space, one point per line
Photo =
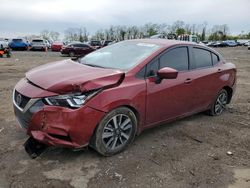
x=123 y=55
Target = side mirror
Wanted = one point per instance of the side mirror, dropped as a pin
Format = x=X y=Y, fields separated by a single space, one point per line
x=167 y=73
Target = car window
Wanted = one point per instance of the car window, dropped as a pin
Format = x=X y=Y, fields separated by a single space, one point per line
x=77 y=45
x=152 y=68
x=202 y=57
x=122 y=55
x=81 y=45
x=176 y=58
x=215 y=59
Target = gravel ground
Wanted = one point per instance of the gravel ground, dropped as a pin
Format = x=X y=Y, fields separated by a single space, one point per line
x=191 y=152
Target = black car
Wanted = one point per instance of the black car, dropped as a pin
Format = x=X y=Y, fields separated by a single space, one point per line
x=106 y=43
x=76 y=49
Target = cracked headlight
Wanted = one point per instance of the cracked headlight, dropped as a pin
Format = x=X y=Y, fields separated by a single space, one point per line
x=71 y=100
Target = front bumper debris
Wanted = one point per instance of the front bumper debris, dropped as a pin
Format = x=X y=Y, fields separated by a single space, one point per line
x=34 y=148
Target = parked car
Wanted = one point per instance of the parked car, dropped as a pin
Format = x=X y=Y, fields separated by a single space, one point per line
x=231 y=43
x=4 y=43
x=217 y=44
x=247 y=43
x=107 y=97
x=95 y=44
x=248 y=47
x=19 y=44
x=76 y=49
x=56 y=46
x=39 y=44
x=158 y=36
x=106 y=43
x=47 y=43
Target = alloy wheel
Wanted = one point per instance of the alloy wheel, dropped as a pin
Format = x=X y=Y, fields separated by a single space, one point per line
x=220 y=103
x=117 y=132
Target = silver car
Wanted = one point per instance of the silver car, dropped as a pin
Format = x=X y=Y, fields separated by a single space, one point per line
x=39 y=44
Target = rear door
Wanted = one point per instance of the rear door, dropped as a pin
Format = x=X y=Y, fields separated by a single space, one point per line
x=205 y=81
x=171 y=97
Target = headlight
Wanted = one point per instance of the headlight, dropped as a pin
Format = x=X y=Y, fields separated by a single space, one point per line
x=72 y=100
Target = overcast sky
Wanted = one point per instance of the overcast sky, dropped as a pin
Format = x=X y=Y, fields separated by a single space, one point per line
x=22 y=17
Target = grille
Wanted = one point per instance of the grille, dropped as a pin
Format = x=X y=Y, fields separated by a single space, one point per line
x=20 y=99
x=22 y=118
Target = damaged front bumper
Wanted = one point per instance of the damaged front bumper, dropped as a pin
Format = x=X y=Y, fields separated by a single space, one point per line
x=55 y=125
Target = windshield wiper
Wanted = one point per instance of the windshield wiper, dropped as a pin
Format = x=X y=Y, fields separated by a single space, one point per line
x=91 y=65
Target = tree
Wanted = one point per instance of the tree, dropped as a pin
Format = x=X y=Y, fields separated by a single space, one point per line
x=45 y=34
x=49 y=35
x=180 y=31
x=54 y=35
x=76 y=34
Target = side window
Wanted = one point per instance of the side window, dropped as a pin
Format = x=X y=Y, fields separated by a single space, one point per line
x=176 y=58
x=215 y=59
x=141 y=73
x=79 y=45
x=152 y=68
x=202 y=58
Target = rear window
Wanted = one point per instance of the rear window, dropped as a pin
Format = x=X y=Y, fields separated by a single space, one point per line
x=37 y=40
x=202 y=58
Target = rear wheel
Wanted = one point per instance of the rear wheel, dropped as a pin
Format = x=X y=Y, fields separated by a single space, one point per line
x=115 y=132
x=219 y=104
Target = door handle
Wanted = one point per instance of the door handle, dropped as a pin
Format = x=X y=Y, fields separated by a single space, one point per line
x=188 y=80
x=219 y=70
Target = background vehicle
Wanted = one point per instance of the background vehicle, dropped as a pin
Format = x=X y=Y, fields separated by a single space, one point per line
x=18 y=44
x=95 y=44
x=76 y=49
x=248 y=47
x=158 y=36
x=39 y=44
x=56 y=46
x=231 y=43
x=47 y=43
x=107 y=97
x=4 y=43
x=189 y=38
x=247 y=43
x=106 y=43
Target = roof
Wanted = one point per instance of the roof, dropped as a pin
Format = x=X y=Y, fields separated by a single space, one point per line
x=163 y=42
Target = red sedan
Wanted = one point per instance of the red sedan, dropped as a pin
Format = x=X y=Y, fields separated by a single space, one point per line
x=111 y=95
x=56 y=46
x=76 y=49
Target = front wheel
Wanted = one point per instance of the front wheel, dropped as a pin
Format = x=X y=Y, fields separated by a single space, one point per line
x=115 y=132
x=219 y=104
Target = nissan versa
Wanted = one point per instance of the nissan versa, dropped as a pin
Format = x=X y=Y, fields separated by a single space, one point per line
x=107 y=97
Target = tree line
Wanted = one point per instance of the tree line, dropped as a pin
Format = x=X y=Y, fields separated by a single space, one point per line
x=123 y=32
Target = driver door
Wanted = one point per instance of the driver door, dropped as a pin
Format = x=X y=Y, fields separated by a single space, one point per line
x=170 y=98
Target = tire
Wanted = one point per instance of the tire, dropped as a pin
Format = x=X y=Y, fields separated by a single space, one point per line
x=115 y=132
x=219 y=105
x=71 y=54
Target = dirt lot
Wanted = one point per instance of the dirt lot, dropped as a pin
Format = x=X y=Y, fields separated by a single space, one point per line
x=191 y=152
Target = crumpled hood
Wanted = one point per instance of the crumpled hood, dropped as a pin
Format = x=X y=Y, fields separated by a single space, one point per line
x=69 y=76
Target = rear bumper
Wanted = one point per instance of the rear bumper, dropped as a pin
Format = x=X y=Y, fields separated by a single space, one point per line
x=38 y=48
